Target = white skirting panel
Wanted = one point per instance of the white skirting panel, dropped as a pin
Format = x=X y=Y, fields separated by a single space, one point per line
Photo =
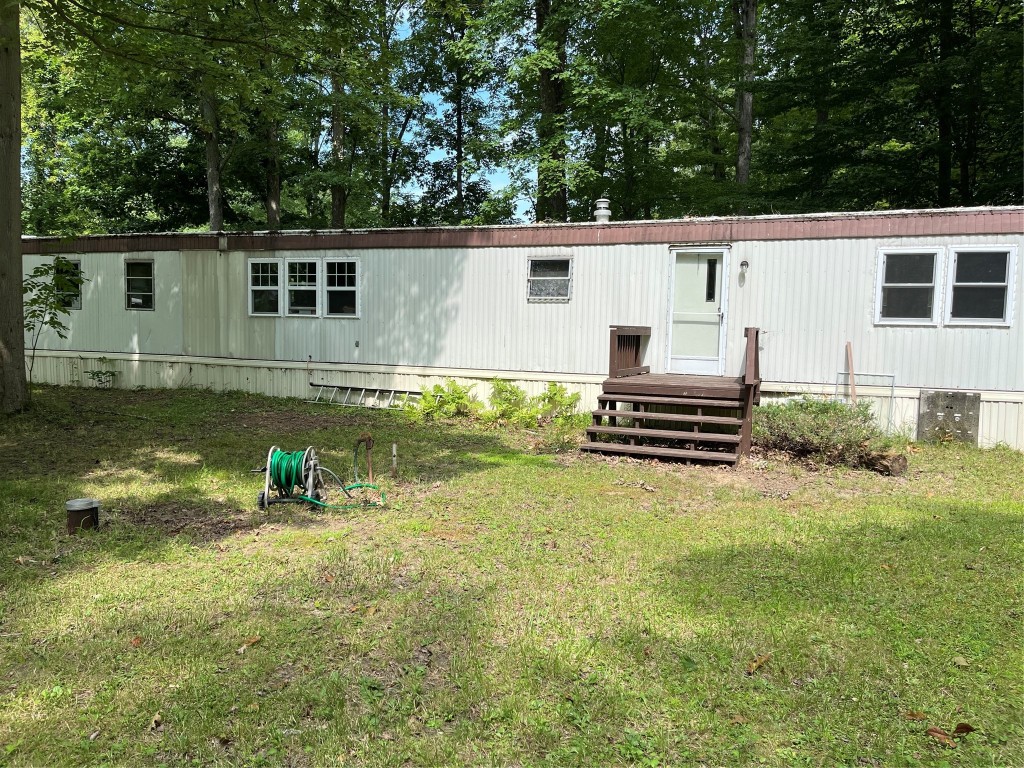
x=1002 y=413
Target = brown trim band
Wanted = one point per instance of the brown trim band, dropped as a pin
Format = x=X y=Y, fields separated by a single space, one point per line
x=968 y=221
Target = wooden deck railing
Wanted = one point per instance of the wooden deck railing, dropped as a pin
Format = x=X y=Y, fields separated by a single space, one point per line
x=626 y=350
x=752 y=386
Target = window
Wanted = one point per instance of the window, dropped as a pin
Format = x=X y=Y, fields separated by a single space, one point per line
x=138 y=284
x=341 y=285
x=302 y=288
x=550 y=279
x=906 y=287
x=264 y=287
x=711 y=289
x=69 y=280
x=979 y=287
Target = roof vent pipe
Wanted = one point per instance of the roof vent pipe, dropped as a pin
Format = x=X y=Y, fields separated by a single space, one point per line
x=602 y=211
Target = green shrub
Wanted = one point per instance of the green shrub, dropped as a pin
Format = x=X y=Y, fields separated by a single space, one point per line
x=445 y=401
x=511 y=405
x=829 y=431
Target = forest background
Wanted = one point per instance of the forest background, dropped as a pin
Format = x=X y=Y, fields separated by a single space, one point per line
x=238 y=114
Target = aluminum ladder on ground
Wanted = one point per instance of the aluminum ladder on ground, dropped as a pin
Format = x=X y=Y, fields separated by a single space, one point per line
x=362 y=397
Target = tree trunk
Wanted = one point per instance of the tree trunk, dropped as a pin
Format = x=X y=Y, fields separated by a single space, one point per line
x=552 y=185
x=273 y=177
x=944 y=107
x=385 y=160
x=339 y=195
x=745 y=26
x=460 y=202
x=211 y=131
x=13 y=390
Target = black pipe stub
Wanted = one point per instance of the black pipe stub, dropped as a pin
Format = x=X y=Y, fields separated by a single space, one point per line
x=82 y=514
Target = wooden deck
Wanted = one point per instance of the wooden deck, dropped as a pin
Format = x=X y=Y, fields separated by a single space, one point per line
x=677 y=385
x=672 y=416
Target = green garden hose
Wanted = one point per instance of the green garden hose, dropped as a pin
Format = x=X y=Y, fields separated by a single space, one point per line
x=288 y=470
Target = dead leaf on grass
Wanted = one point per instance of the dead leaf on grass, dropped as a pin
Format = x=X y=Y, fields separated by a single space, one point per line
x=941 y=736
x=962 y=729
x=329 y=578
x=960 y=661
x=757 y=663
x=738 y=720
x=157 y=723
x=915 y=715
x=94 y=735
x=371 y=610
x=136 y=641
x=249 y=643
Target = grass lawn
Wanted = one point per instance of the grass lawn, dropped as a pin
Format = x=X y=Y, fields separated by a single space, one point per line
x=506 y=608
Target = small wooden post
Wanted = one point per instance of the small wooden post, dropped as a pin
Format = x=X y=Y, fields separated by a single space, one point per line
x=849 y=367
x=394 y=459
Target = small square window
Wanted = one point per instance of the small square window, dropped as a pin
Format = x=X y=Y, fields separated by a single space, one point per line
x=302 y=288
x=550 y=280
x=265 y=287
x=68 y=276
x=979 y=287
x=341 y=286
x=138 y=278
x=906 y=291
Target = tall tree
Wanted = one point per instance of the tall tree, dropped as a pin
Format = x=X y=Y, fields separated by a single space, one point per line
x=13 y=389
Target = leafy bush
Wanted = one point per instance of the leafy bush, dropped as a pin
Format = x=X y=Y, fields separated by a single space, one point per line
x=446 y=401
x=829 y=431
x=511 y=405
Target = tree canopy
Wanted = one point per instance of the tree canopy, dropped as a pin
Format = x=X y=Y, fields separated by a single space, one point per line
x=174 y=114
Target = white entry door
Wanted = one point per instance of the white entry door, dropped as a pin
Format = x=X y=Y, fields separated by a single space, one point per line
x=698 y=312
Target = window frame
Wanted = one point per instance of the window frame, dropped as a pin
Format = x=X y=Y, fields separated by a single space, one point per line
x=76 y=303
x=317 y=289
x=951 y=284
x=152 y=277
x=281 y=278
x=938 y=260
x=529 y=280
x=358 y=287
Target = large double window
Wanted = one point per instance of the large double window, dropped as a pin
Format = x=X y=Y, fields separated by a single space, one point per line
x=978 y=286
x=304 y=287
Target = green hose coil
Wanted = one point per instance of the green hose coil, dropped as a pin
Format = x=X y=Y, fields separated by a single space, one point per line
x=288 y=468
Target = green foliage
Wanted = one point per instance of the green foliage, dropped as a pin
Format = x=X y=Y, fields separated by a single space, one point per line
x=49 y=292
x=511 y=405
x=829 y=431
x=445 y=401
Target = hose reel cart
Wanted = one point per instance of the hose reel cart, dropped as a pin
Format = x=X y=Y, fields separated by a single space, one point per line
x=295 y=477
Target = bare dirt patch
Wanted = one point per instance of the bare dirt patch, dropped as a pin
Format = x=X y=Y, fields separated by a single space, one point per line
x=173 y=518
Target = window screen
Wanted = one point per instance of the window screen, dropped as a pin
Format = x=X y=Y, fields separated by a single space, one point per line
x=342 y=285
x=302 y=287
x=265 y=287
x=908 y=286
x=138 y=284
x=68 y=280
x=980 y=285
x=550 y=279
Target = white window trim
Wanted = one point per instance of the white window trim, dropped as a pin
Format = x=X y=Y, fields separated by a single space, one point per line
x=281 y=278
x=937 y=266
x=358 y=287
x=318 y=287
x=124 y=285
x=1011 y=281
x=550 y=299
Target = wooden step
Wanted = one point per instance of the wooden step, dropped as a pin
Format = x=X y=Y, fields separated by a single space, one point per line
x=690 y=418
x=666 y=434
x=656 y=451
x=649 y=400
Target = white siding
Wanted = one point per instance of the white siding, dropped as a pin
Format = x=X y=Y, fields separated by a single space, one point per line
x=812 y=296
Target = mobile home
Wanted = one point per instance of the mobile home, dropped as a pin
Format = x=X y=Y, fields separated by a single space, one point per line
x=912 y=302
